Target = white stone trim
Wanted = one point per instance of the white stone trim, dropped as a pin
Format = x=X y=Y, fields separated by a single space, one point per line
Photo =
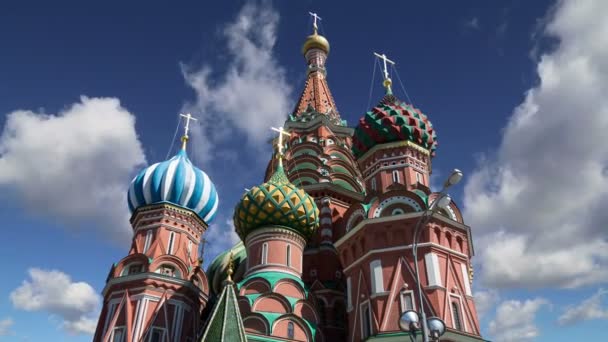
x=431 y=260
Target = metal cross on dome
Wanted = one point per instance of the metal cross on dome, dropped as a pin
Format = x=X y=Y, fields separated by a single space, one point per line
x=315 y=17
x=282 y=133
x=387 y=79
x=188 y=117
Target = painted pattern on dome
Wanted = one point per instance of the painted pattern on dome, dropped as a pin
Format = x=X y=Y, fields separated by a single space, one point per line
x=393 y=120
x=276 y=202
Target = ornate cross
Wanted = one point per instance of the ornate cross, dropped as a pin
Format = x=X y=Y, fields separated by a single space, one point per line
x=315 y=17
x=187 y=126
x=387 y=80
x=282 y=133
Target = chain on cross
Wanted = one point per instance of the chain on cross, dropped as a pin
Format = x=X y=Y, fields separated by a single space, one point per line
x=387 y=80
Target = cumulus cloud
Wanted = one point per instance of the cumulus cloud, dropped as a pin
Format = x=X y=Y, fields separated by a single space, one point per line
x=590 y=308
x=251 y=94
x=221 y=236
x=515 y=320
x=537 y=206
x=74 y=166
x=75 y=303
x=5 y=326
x=485 y=301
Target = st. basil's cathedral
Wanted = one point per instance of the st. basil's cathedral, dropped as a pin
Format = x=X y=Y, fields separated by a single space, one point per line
x=327 y=249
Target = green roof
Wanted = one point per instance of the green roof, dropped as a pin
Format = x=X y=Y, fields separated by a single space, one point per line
x=225 y=323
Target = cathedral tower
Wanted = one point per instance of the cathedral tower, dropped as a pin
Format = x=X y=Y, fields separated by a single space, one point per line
x=158 y=291
x=394 y=143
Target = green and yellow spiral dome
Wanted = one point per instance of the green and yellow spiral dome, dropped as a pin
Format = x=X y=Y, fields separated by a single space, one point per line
x=276 y=203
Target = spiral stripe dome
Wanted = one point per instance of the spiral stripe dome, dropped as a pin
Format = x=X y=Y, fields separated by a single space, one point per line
x=176 y=181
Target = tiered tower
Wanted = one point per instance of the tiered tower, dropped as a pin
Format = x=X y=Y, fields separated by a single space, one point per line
x=158 y=291
x=275 y=220
x=318 y=158
x=394 y=143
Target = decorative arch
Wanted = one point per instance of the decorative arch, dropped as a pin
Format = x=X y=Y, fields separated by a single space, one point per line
x=255 y=286
x=131 y=259
x=304 y=165
x=170 y=260
x=271 y=303
x=354 y=219
x=306 y=311
x=394 y=200
x=256 y=323
x=304 y=181
x=277 y=325
x=344 y=184
x=290 y=288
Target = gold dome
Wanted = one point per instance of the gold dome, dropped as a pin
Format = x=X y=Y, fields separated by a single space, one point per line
x=315 y=41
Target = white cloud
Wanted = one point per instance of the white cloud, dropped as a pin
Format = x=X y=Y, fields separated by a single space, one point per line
x=472 y=23
x=5 y=326
x=220 y=237
x=75 y=166
x=590 y=308
x=515 y=320
x=485 y=301
x=251 y=94
x=537 y=206
x=75 y=303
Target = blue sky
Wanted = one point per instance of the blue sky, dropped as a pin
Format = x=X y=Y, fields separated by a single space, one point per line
x=515 y=89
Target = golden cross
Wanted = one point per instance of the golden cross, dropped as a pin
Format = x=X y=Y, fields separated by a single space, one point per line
x=282 y=132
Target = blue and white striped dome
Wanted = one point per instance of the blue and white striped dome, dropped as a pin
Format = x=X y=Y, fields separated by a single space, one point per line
x=176 y=181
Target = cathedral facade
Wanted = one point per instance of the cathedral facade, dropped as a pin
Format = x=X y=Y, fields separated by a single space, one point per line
x=327 y=240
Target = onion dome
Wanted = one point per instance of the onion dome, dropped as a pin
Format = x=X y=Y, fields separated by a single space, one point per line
x=390 y=121
x=315 y=41
x=276 y=202
x=216 y=272
x=178 y=182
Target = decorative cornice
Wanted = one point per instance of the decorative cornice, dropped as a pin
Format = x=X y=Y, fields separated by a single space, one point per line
x=276 y=230
x=135 y=217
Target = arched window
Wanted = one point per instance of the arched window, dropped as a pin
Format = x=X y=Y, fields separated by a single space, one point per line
x=290 y=332
x=288 y=255
x=397 y=211
x=168 y=270
x=329 y=142
x=264 y=253
x=396 y=177
x=456 y=316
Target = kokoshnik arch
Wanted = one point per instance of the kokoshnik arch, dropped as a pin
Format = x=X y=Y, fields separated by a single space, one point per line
x=326 y=250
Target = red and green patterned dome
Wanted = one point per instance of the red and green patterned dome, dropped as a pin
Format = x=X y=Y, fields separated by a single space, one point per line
x=390 y=121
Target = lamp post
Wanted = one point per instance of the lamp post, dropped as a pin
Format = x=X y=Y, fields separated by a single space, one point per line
x=409 y=321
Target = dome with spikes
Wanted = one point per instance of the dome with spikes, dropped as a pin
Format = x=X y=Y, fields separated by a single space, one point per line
x=390 y=121
x=175 y=181
x=276 y=202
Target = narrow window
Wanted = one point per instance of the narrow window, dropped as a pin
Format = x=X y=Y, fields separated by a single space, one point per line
x=419 y=178
x=288 y=255
x=396 y=178
x=366 y=324
x=290 y=332
x=148 y=240
x=407 y=301
x=322 y=315
x=157 y=335
x=189 y=247
x=432 y=269
x=376 y=276
x=456 y=316
x=374 y=184
x=264 y=253
x=118 y=334
x=170 y=246
x=348 y=294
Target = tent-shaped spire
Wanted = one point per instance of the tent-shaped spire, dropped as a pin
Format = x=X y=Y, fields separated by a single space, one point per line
x=226 y=323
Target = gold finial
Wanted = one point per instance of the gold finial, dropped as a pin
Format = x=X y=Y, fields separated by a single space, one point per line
x=230 y=270
x=279 y=145
x=387 y=80
x=185 y=137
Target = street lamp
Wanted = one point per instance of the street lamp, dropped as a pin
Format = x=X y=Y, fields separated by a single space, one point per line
x=409 y=321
